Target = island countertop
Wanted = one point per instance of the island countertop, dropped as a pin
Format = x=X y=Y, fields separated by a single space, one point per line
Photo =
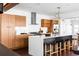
x=53 y=36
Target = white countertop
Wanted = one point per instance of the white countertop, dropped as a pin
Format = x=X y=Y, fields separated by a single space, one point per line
x=53 y=36
x=56 y=36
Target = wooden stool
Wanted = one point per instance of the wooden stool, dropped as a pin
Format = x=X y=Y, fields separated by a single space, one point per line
x=47 y=49
x=71 y=44
x=63 y=48
x=74 y=43
x=54 y=49
x=48 y=46
x=51 y=50
x=68 y=45
x=60 y=48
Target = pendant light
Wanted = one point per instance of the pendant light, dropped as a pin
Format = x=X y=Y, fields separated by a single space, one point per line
x=58 y=13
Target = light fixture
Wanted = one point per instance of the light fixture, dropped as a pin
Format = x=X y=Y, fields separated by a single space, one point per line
x=58 y=13
x=56 y=27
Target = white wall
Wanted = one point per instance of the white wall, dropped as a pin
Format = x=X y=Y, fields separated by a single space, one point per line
x=29 y=27
x=70 y=15
x=65 y=27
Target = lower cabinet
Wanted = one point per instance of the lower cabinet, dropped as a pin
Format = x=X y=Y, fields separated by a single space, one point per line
x=21 y=41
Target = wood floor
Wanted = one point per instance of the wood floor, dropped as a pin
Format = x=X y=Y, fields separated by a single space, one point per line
x=24 y=52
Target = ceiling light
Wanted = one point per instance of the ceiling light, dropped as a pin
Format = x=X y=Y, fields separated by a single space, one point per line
x=58 y=13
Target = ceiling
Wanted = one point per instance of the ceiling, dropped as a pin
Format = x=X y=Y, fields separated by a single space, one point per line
x=48 y=8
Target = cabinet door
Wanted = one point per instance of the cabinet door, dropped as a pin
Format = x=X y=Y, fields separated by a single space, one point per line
x=20 y=20
x=7 y=30
x=47 y=23
x=11 y=31
x=21 y=41
x=4 y=30
x=56 y=21
x=0 y=26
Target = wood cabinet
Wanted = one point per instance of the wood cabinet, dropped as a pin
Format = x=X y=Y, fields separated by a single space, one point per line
x=21 y=41
x=0 y=26
x=55 y=21
x=49 y=24
x=8 y=30
x=20 y=21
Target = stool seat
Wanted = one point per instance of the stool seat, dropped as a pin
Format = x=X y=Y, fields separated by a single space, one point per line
x=49 y=41
x=58 y=39
x=66 y=38
x=58 y=45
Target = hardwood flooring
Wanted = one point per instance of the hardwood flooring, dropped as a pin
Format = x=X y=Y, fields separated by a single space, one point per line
x=24 y=52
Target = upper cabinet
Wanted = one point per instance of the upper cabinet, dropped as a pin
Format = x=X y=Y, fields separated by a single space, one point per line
x=50 y=24
x=55 y=21
x=47 y=23
x=20 y=21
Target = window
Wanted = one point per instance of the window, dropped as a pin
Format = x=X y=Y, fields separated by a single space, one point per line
x=75 y=26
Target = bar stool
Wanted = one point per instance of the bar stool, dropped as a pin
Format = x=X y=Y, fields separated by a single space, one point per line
x=74 y=44
x=48 y=47
x=46 y=51
x=68 y=43
x=71 y=43
x=59 y=42
x=54 y=48
x=63 y=47
x=65 y=44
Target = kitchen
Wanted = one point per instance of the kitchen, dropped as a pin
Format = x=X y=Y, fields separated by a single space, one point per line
x=30 y=20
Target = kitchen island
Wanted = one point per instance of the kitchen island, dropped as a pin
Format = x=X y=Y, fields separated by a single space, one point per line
x=36 y=43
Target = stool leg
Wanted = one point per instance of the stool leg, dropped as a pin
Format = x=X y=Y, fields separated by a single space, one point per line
x=45 y=49
x=56 y=49
x=72 y=44
x=64 y=48
x=50 y=49
x=69 y=47
x=60 y=48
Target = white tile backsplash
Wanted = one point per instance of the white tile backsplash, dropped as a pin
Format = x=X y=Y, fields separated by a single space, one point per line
x=20 y=30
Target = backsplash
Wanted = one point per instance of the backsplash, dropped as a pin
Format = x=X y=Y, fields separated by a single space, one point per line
x=20 y=30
